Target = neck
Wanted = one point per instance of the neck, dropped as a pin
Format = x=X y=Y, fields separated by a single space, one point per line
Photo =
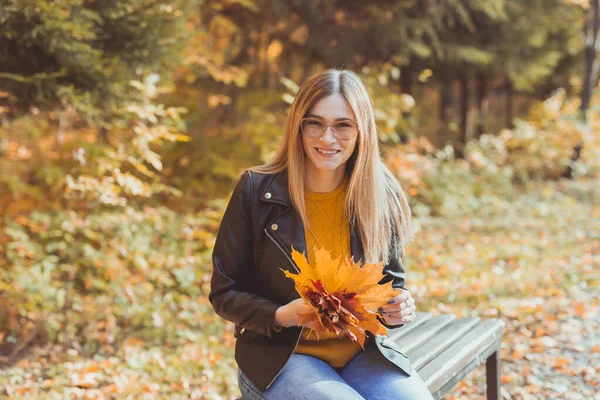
x=323 y=181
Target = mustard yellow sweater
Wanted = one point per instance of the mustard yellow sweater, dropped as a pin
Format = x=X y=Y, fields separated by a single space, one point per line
x=329 y=228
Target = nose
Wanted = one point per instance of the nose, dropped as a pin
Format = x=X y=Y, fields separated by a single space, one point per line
x=328 y=136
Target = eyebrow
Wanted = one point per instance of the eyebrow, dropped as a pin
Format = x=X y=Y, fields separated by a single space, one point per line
x=337 y=119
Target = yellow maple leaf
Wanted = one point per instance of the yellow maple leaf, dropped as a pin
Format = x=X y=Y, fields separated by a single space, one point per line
x=344 y=297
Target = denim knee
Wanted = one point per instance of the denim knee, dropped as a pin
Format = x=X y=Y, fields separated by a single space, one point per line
x=247 y=389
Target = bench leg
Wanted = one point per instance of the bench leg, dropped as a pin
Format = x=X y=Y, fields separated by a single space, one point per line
x=492 y=371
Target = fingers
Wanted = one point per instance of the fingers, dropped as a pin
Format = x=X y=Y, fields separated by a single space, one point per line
x=407 y=319
x=408 y=303
x=401 y=313
x=397 y=307
x=399 y=318
x=403 y=296
x=400 y=309
x=398 y=321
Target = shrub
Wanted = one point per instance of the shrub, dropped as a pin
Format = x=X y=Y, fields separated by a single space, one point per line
x=542 y=147
x=440 y=184
x=89 y=281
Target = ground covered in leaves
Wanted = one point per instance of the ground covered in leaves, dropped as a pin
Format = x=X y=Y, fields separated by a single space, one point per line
x=532 y=260
x=535 y=264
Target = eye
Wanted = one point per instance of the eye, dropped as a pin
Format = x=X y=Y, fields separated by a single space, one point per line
x=343 y=125
x=315 y=123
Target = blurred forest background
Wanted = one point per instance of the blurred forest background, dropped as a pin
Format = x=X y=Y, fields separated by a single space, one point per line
x=124 y=123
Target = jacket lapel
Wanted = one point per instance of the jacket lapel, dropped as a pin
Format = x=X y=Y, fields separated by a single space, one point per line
x=289 y=233
x=286 y=228
x=289 y=229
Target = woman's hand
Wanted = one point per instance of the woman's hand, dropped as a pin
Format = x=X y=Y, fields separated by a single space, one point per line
x=287 y=315
x=399 y=310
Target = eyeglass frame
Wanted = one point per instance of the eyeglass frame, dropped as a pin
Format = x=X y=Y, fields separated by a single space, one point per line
x=333 y=130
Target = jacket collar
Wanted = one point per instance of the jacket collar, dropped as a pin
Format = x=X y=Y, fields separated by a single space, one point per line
x=277 y=191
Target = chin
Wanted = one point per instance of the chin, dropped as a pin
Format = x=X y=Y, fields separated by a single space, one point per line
x=326 y=166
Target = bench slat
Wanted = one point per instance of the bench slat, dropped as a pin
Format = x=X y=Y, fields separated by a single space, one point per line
x=463 y=356
x=420 y=318
x=417 y=337
x=474 y=363
x=450 y=334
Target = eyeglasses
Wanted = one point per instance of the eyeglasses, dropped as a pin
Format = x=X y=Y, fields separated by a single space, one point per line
x=314 y=128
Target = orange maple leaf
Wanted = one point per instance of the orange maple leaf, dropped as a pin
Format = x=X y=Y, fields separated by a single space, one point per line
x=344 y=296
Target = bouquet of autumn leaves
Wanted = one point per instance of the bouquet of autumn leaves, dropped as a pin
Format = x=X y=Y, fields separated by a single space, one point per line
x=344 y=297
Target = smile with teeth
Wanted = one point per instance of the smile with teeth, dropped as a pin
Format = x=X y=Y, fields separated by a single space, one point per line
x=323 y=151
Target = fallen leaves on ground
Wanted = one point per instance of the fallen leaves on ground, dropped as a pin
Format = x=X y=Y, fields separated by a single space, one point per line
x=534 y=265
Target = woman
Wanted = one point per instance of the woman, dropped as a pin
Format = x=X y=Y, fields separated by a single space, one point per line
x=325 y=187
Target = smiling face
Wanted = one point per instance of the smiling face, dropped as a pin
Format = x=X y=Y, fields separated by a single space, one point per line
x=330 y=110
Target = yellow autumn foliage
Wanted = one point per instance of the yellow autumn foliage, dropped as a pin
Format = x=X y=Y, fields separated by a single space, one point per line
x=344 y=296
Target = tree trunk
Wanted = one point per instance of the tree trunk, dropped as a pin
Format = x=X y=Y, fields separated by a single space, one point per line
x=103 y=135
x=483 y=104
x=445 y=97
x=4 y=137
x=509 y=91
x=288 y=64
x=229 y=114
x=592 y=64
x=406 y=80
x=306 y=63
x=592 y=67
x=466 y=115
x=60 y=130
x=445 y=100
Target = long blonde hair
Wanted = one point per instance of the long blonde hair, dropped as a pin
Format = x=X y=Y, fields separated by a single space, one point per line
x=383 y=221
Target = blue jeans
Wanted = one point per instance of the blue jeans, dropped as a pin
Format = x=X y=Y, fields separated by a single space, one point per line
x=368 y=376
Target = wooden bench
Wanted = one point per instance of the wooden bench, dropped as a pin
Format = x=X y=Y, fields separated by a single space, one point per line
x=444 y=350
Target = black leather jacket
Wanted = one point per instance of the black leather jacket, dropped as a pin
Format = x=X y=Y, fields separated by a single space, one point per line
x=255 y=238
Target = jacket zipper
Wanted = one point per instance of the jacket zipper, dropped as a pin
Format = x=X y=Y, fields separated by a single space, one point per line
x=283 y=251
x=302 y=330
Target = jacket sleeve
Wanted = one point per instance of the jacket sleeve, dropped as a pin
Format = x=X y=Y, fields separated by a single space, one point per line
x=232 y=260
x=394 y=271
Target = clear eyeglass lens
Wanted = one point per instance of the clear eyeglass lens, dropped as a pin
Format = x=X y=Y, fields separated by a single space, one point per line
x=315 y=128
x=344 y=130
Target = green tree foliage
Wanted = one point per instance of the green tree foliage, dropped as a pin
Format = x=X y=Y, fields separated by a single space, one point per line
x=85 y=174
x=110 y=176
x=530 y=53
x=84 y=53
